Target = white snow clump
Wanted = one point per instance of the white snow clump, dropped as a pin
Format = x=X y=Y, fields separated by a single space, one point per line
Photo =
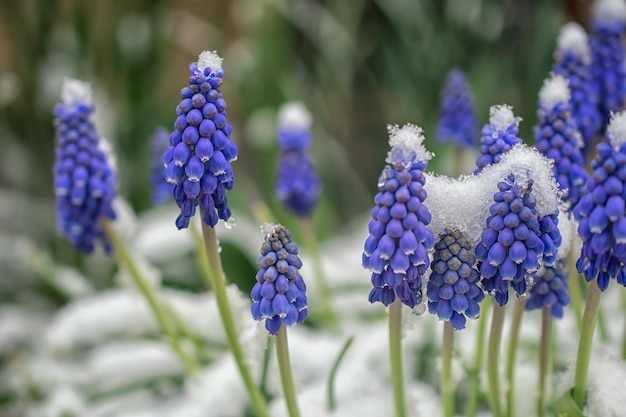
x=210 y=59
x=294 y=115
x=616 y=131
x=555 y=90
x=573 y=38
x=406 y=141
x=609 y=10
x=501 y=117
x=75 y=92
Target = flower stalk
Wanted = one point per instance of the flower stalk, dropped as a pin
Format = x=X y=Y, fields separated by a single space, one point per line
x=447 y=383
x=395 y=352
x=286 y=376
x=472 y=405
x=518 y=312
x=544 y=358
x=493 y=354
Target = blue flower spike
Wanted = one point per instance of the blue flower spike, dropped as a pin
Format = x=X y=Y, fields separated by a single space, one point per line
x=558 y=138
x=607 y=50
x=297 y=183
x=498 y=136
x=573 y=61
x=198 y=160
x=161 y=189
x=84 y=181
x=550 y=289
x=396 y=250
x=601 y=215
x=452 y=290
x=279 y=295
x=457 y=115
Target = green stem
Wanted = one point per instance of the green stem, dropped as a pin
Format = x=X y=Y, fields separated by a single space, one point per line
x=201 y=259
x=218 y=283
x=518 y=313
x=266 y=366
x=324 y=293
x=590 y=317
x=447 y=384
x=603 y=330
x=123 y=255
x=289 y=389
x=575 y=292
x=493 y=358
x=395 y=352
x=186 y=331
x=332 y=404
x=544 y=358
x=472 y=405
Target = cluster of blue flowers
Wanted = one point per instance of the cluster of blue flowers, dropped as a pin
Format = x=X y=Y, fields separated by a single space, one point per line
x=498 y=136
x=550 y=289
x=84 y=183
x=297 y=183
x=397 y=249
x=198 y=159
x=279 y=295
x=601 y=212
x=457 y=116
x=161 y=189
x=453 y=291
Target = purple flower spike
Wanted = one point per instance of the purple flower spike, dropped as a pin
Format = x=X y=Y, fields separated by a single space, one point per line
x=457 y=116
x=397 y=249
x=279 y=295
x=550 y=289
x=84 y=183
x=499 y=136
x=197 y=146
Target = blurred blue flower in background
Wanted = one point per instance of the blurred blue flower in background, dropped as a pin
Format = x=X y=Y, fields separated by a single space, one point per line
x=457 y=115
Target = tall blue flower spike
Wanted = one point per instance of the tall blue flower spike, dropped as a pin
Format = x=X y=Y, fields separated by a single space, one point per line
x=279 y=295
x=573 y=61
x=452 y=290
x=607 y=51
x=550 y=289
x=557 y=138
x=198 y=159
x=297 y=183
x=498 y=136
x=397 y=249
x=457 y=115
x=516 y=241
x=602 y=224
x=161 y=189
x=84 y=183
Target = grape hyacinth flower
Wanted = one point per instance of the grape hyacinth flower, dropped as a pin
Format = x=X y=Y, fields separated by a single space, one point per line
x=607 y=50
x=297 y=183
x=550 y=289
x=557 y=138
x=452 y=290
x=84 y=183
x=198 y=159
x=397 y=249
x=498 y=136
x=573 y=61
x=279 y=295
x=457 y=116
x=161 y=189
x=601 y=216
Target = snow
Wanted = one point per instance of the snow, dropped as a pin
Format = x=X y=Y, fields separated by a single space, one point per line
x=609 y=10
x=568 y=228
x=294 y=115
x=502 y=116
x=616 y=131
x=211 y=60
x=75 y=92
x=405 y=142
x=555 y=90
x=573 y=38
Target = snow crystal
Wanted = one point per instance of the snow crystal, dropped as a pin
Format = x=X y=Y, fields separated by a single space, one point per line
x=464 y=203
x=555 y=90
x=568 y=228
x=573 y=38
x=502 y=116
x=211 y=60
x=294 y=115
x=75 y=92
x=610 y=10
x=616 y=131
x=405 y=142
x=268 y=228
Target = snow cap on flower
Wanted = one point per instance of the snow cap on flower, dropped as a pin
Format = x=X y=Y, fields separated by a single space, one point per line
x=84 y=183
x=198 y=161
x=502 y=116
x=407 y=144
x=294 y=115
x=573 y=38
x=616 y=131
x=555 y=90
x=609 y=10
x=279 y=295
x=457 y=116
x=498 y=136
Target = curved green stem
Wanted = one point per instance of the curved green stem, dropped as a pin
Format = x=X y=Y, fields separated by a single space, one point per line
x=218 y=283
x=518 y=313
x=330 y=391
x=544 y=358
x=123 y=255
x=395 y=352
x=447 y=384
x=284 y=365
x=493 y=358
x=472 y=405
x=590 y=318
x=202 y=261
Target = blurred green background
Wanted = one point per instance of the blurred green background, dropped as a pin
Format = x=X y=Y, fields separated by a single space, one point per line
x=358 y=65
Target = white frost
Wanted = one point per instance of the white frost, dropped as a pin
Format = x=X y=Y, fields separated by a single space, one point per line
x=610 y=10
x=616 y=131
x=405 y=141
x=573 y=38
x=501 y=117
x=212 y=60
x=268 y=228
x=294 y=115
x=464 y=203
x=555 y=90
x=568 y=228
x=75 y=92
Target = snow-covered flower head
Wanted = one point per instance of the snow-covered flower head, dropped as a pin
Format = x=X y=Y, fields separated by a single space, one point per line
x=84 y=183
x=498 y=136
x=198 y=161
x=407 y=145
